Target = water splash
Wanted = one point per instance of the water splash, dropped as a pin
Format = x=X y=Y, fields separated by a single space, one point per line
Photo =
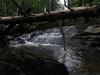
x=51 y=40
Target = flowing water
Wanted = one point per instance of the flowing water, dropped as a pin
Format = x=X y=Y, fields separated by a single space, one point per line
x=80 y=58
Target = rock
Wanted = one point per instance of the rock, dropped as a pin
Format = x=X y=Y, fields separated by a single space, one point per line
x=92 y=32
x=88 y=29
x=92 y=29
x=21 y=63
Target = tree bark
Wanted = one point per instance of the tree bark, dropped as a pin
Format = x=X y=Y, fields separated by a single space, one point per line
x=93 y=11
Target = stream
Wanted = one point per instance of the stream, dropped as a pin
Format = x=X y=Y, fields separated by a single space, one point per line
x=80 y=57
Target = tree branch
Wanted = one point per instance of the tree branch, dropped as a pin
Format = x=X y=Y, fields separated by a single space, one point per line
x=93 y=11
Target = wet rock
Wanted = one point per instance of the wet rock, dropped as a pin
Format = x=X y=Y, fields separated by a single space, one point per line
x=92 y=32
x=92 y=29
x=22 y=63
x=90 y=37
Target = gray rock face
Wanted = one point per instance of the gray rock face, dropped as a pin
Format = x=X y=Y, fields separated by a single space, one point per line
x=92 y=29
x=22 y=63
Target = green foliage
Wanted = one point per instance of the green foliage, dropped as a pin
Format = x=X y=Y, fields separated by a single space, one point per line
x=37 y=5
x=76 y=3
x=7 y=7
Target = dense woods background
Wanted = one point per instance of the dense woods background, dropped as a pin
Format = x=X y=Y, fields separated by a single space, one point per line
x=8 y=8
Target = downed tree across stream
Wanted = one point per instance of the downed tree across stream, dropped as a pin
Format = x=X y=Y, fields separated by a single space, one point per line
x=16 y=28
x=93 y=11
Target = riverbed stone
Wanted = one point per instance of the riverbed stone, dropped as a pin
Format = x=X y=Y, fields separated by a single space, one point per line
x=93 y=29
x=22 y=63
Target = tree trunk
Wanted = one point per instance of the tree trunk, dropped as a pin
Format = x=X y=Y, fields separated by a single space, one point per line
x=48 y=5
x=56 y=15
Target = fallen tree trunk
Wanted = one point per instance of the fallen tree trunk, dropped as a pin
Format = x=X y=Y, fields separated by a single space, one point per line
x=56 y=15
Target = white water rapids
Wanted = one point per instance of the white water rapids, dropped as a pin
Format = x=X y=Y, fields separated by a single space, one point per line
x=49 y=43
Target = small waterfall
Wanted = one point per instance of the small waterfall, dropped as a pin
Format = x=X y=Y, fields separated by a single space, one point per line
x=49 y=43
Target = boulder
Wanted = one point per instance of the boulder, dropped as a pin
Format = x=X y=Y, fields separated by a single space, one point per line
x=14 y=62
x=92 y=29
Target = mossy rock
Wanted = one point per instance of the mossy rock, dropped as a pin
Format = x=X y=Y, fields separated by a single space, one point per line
x=14 y=62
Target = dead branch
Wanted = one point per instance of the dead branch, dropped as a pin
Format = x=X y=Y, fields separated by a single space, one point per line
x=55 y=15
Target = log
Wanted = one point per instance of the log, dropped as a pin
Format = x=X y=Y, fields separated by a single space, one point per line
x=55 y=15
